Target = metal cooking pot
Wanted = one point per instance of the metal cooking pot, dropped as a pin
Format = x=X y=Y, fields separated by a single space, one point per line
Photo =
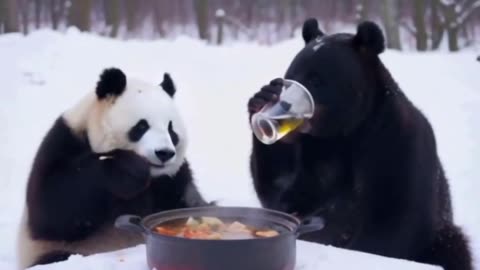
x=176 y=253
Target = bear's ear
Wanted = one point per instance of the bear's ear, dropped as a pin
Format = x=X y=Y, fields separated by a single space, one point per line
x=112 y=83
x=310 y=30
x=369 y=37
x=168 y=85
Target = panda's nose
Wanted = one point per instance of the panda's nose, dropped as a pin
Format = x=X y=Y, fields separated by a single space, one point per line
x=164 y=155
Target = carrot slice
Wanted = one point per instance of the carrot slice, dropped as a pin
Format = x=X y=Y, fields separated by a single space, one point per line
x=196 y=234
x=166 y=231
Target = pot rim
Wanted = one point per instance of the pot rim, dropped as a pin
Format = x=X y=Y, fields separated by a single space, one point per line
x=295 y=222
x=292 y=226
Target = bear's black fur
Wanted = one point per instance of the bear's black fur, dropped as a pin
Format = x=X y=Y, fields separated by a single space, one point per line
x=367 y=162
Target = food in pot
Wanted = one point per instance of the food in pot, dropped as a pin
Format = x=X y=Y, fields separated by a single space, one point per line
x=268 y=233
x=212 y=228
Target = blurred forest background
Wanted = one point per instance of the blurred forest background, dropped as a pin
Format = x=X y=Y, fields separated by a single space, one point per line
x=420 y=25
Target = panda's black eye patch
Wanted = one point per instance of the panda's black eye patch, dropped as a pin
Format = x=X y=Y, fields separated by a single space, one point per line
x=172 y=133
x=137 y=131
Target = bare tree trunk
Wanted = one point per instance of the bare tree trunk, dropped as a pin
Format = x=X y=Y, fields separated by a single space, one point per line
x=420 y=8
x=294 y=15
x=201 y=12
x=281 y=11
x=131 y=9
x=456 y=15
x=362 y=10
x=465 y=34
x=2 y=16
x=79 y=14
x=250 y=6
x=38 y=12
x=453 y=39
x=451 y=25
x=436 y=25
x=112 y=16
x=56 y=11
x=8 y=8
x=24 y=15
x=220 y=18
x=472 y=30
x=159 y=18
x=391 y=23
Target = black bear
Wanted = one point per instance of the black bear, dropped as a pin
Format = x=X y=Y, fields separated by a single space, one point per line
x=366 y=161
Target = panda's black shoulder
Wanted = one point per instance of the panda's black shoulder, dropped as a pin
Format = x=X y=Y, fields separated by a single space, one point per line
x=57 y=149
x=58 y=146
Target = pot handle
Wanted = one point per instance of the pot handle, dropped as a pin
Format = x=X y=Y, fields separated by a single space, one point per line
x=313 y=224
x=129 y=223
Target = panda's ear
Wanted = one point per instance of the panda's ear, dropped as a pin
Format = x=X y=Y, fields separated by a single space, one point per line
x=369 y=37
x=310 y=30
x=168 y=85
x=112 y=83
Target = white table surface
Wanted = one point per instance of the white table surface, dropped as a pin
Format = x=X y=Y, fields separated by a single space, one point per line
x=309 y=257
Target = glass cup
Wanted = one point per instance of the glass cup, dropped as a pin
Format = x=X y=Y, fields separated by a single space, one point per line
x=276 y=120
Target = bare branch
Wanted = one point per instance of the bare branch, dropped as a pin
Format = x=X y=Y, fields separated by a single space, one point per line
x=467 y=4
x=238 y=24
x=410 y=29
x=468 y=12
x=443 y=6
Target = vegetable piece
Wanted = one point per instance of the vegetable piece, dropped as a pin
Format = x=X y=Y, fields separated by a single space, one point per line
x=266 y=234
x=196 y=234
x=213 y=228
x=214 y=236
x=212 y=221
x=191 y=222
x=166 y=231
x=237 y=227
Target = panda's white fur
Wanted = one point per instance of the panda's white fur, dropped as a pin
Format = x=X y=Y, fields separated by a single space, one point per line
x=106 y=122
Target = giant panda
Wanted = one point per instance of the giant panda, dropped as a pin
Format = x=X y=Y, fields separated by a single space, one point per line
x=119 y=150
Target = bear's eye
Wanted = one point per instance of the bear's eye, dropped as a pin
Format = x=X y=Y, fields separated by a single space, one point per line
x=137 y=131
x=173 y=134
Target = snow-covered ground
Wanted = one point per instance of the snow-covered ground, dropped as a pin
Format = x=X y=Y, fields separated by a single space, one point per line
x=46 y=72
x=310 y=256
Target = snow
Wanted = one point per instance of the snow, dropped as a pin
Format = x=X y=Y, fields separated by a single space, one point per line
x=220 y=13
x=447 y=2
x=309 y=257
x=46 y=72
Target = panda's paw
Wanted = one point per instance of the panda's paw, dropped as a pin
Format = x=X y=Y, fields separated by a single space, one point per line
x=129 y=173
x=130 y=163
